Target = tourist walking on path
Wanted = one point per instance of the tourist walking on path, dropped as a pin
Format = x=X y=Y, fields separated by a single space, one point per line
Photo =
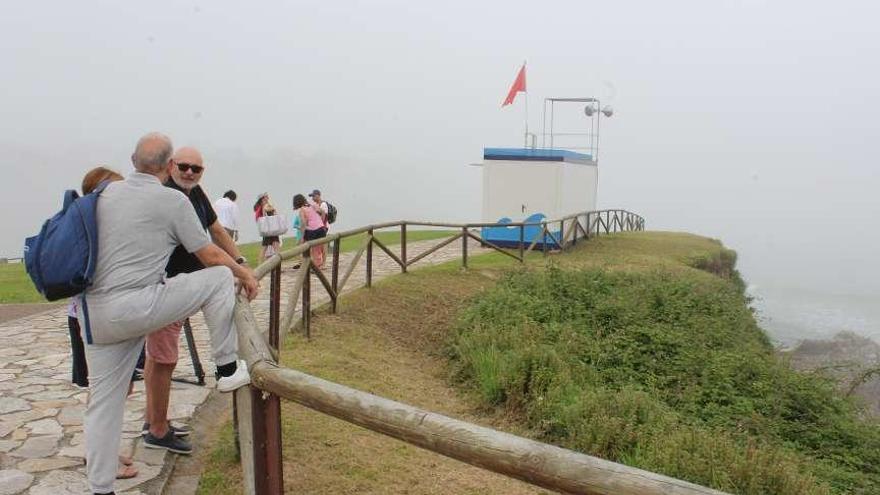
x=140 y=223
x=313 y=227
x=162 y=345
x=270 y=244
x=322 y=208
x=227 y=213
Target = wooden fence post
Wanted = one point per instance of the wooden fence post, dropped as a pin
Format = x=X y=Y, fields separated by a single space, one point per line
x=544 y=234
x=464 y=247
x=403 y=247
x=369 y=277
x=561 y=236
x=307 y=294
x=266 y=408
x=334 y=275
x=522 y=240
x=274 y=304
x=259 y=425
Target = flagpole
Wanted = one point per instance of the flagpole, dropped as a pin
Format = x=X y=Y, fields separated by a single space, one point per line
x=526 y=135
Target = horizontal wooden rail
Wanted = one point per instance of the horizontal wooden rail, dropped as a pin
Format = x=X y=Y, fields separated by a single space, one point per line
x=299 y=249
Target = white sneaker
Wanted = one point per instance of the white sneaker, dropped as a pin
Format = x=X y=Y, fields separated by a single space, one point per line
x=239 y=379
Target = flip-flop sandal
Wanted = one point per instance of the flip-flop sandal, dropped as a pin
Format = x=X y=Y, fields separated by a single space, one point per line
x=124 y=472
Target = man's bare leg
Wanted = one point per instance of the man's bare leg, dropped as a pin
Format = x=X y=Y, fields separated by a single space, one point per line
x=157 y=383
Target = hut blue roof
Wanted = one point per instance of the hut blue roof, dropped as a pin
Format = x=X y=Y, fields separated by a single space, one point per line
x=535 y=154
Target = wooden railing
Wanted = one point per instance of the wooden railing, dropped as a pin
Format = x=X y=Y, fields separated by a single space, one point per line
x=258 y=406
x=571 y=229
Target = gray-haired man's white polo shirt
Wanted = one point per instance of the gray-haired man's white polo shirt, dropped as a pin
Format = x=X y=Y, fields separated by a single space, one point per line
x=140 y=222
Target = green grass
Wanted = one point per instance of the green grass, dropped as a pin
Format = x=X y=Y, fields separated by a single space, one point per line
x=641 y=348
x=16 y=286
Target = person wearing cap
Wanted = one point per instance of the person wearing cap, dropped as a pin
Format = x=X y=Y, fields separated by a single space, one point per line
x=322 y=209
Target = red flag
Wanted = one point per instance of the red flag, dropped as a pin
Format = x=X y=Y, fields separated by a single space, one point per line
x=518 y=85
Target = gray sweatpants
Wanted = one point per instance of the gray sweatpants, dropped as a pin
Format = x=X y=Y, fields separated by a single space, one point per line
x=118 y=324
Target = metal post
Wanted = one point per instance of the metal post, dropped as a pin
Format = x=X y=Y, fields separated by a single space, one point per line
x=307 y=294
x=464 y=243
x=403 y=246
x=369 y=278
x=334 y=281
x=193 y=352
x=522 y=240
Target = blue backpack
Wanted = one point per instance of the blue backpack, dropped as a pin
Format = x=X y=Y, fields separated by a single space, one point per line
x=61 y=258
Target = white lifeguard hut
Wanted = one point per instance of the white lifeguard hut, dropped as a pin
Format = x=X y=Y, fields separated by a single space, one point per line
x=534 y=184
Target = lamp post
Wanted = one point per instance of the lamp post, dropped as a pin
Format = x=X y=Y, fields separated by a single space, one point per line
x=589 y=111
x=593 y=110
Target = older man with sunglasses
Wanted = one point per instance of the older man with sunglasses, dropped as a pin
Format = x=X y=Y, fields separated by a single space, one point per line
x=162 y=345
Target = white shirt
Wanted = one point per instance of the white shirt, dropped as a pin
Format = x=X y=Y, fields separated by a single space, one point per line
x=323 y=210
x=227 y=213
x=140 y=222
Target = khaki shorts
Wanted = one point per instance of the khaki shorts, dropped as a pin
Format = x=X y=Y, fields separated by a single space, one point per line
x=162 y=344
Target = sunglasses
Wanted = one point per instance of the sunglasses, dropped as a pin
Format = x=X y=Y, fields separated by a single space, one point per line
x=196 y=169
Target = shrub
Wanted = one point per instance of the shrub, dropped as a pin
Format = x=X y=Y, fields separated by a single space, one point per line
x=664 y=370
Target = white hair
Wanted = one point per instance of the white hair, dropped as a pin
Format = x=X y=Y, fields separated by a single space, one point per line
x=152 y=153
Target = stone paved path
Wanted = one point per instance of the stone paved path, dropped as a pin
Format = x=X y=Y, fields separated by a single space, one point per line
x=41 y=437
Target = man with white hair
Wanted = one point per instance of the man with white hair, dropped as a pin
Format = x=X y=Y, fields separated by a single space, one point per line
x=140 y=222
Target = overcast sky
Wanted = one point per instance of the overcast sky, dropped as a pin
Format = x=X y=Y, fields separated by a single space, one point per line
x=754 y=122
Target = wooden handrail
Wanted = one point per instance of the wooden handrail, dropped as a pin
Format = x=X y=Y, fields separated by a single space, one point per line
x=273 y=261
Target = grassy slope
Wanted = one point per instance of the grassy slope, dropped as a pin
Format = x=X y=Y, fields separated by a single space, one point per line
x=394 y=341
x=627 y=351
x=376 y=343
x=16 y=286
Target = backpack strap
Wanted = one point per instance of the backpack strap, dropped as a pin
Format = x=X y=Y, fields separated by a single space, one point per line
x=70 y=196
x=101 y=186
x=87 y=327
